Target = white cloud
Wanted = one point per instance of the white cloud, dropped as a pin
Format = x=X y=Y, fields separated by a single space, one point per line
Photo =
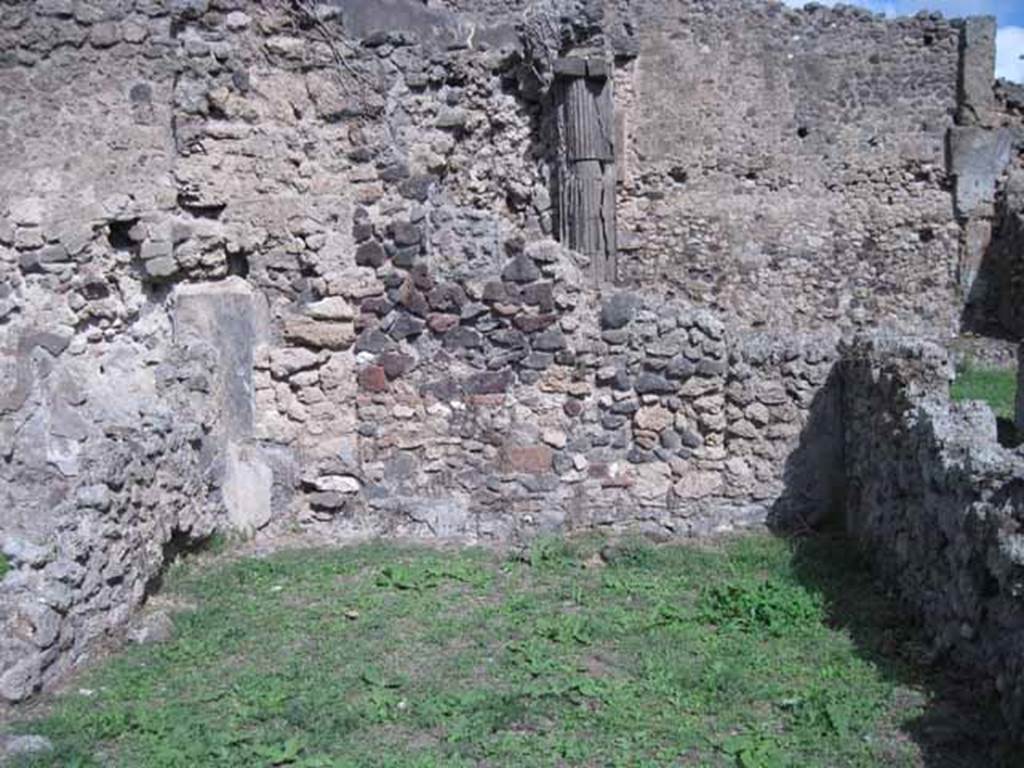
x=1009 y=49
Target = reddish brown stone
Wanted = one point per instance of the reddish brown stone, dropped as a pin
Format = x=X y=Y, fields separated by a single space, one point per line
x=440 y=322
x=373 y=378
x=533 y=323
x=573 y=408
x=376 y=305
x=395 y=364
x=528 y=459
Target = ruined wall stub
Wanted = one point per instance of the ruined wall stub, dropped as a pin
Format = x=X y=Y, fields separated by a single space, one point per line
x=586 y=177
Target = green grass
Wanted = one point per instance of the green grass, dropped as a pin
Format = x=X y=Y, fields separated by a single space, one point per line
x=5 y=565
x=754 y=654
x=995 y=386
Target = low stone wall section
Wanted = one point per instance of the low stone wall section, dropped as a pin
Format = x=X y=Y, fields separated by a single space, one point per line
x=939 y=505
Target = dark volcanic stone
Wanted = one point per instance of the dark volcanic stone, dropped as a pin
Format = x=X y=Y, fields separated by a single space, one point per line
x=507 y=337
x=521 y=270
x=549 y=341
x=394 y=172
x=405 y=258
x=539 y=295
x=619 y=310
x=395 y=364
x=680 y=368
x=371 y=340
x=447 y=297
x=473 y=310
x=462 y=338
x=376 y=305
x=538 y=360
x=712 y=368
x=533 y=323
x=370 y=254
x=422 y=278
x=489 y=382
x=327 y=500
x=413 y=300
x=406 y=326
x=653 y=384
x=362 y=232
x=497 y=292
x=405 y=233
x=416 y=187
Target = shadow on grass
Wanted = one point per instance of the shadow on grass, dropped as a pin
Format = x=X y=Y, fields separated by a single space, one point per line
x=955 y=719
x=961 y=726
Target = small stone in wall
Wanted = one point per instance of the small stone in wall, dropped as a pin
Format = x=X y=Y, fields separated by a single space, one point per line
x=651 y=383
x=654 y=418
x=528 y=459
x=331 y=308
x=439 y=322
x=521 y=270
x=285 y=362
x=373 y=379
x=370 y=254
x=619 y=310
x=371 y=340
x=556 y=438
x=549 y=341
x=93 y=497
x=406 y=326
x=395 y=364
x=489 y=382
x=463 y=338
x=237 y=20
x=758 y=414
x=327 y=501
x=533 y=323
x=160 y=268
x=405 y=233
x=319 y=335
x=344 y=484
x=698 y=485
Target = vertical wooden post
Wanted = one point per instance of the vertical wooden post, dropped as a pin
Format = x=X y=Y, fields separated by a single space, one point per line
x=586 y=163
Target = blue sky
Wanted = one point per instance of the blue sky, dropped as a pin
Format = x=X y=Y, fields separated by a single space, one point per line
x=1010 y=14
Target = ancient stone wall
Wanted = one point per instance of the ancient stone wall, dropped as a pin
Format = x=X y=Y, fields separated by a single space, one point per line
x=939 y=506
x=307 y=254
x=789 y=167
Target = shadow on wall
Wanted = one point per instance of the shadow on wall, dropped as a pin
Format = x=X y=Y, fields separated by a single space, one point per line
x=953 y=716
x=981 y=312
x=991 y=306
x=814 y=481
